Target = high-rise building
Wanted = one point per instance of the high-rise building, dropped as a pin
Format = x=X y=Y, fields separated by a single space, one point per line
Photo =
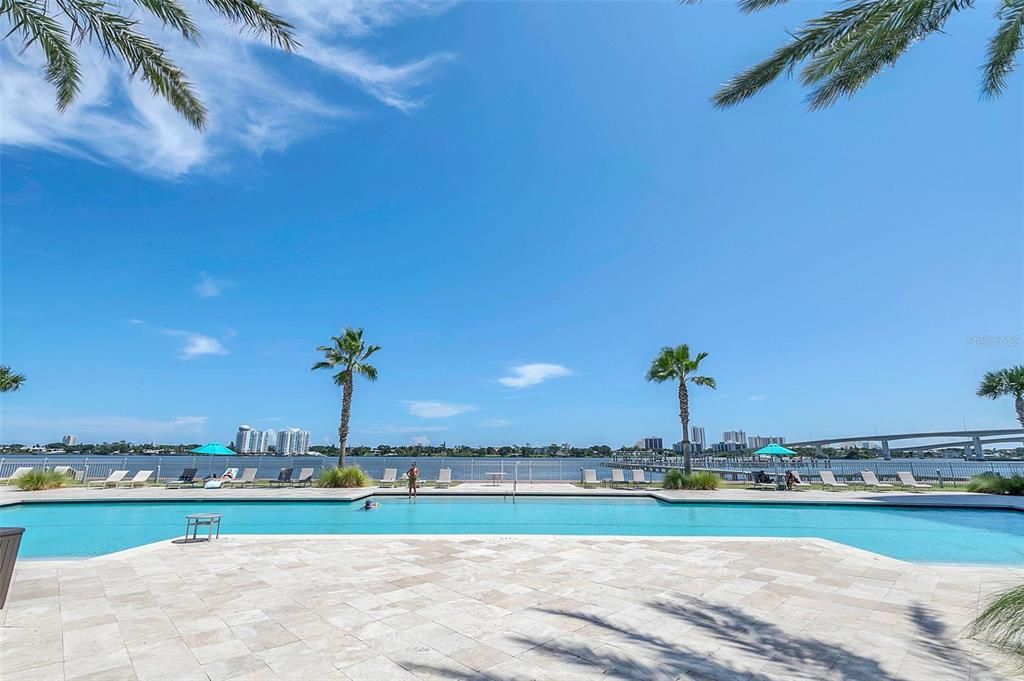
x=737 y=437
x=697 y=436
x=70 y=440
x=650 y=444
x=758 y=441
x=244 y=440
x=292 y=441
x=695 y=448
x=268 y=439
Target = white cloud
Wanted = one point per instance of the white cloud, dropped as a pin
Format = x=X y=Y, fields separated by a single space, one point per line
x=527 y=375
x=196 y=344
x=436 y=410
x=210 y=287
x=757 y=398
x=19 y=425
x=254 y=105
x=136 y=321
x=421 y=440
x=495 y=423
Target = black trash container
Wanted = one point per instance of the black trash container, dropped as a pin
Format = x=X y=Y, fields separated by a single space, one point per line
x=10 y=540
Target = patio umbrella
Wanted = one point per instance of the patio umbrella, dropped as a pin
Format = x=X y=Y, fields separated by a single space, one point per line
x=775 y=451
x=214 y=448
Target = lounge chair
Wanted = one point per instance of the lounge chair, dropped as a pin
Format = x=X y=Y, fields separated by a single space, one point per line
x=799 y=483
x=283 y=478
x=305 y=477
x=761 y=480
x=639 y=477
x=187 y=477
x=389 y=478
x=112 y=480
x=18 y=472
x=908 y=480
x=248 y=478
x=141 y=478
x=828 y=480
x=590 y=478
x=871 y=480
x=444 y=477
x=66 y=471
x=618 y=478
x=229 y=475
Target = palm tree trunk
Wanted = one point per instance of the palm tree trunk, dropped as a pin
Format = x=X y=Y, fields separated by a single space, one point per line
x=346 y=410
x=684 y=419
x=1020 y=409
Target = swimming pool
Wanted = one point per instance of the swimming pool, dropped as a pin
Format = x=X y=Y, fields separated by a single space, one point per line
x=63 y=530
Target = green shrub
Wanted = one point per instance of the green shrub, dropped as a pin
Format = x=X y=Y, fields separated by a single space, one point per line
x=36 y=480
x=676 y=479
x=349 y=476
x=1002 y=621
x=992 y=483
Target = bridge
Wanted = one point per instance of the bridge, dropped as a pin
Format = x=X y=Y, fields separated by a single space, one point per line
x=975 y=439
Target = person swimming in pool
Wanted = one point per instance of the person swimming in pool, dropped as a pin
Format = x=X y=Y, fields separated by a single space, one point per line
x=370 y=505
x=413 y=474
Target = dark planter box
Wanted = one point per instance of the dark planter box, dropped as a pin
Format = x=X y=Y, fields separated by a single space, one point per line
x=10 y=540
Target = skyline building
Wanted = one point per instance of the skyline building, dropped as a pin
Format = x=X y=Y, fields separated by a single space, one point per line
x=697 y=436
x=650 y=444
x=736 y=437
x=758 y=441
x=292 y=441
x=70 y=440
x=248 y=440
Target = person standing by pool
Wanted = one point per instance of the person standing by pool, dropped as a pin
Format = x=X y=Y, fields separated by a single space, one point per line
x=413 y=473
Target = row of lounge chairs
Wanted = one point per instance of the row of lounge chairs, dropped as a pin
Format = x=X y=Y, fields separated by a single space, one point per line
x=390 y=478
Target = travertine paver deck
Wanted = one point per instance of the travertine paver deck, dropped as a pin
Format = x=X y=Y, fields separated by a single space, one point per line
x=379 y=608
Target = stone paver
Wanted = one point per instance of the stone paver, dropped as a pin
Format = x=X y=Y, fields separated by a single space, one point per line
x=473 y=607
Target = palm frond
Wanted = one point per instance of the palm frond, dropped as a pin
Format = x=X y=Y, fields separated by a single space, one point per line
x=1003 y=49
x=996 y=384
x=705 y=381
x=30 y=20
x=367 y=371
x=115 y=33
x=751 y=6
x=10 y=380
x=259 y=20
x=174 y=15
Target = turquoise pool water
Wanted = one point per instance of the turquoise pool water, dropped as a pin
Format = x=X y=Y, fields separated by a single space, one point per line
x=915 y=534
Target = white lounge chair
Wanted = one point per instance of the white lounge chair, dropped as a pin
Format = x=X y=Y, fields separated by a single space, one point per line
x=590 y=478
x=305 y=477
x=444 y=477
x=248 y=478
x=389 y=478
x=908 y=480
x=230 y=475
x=18 y=472
x=871 y=480
x=639 y=477
x=66 y=471
x=618 y=477
x=141 y=478
x=828 y=480
x=111 y=481
x=799 y=483
x=767 y=483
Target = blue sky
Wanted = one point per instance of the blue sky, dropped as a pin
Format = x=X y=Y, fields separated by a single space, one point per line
x=495 y=186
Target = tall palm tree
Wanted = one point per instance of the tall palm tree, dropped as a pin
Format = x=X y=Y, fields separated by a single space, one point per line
x=59 y=26
x=9 y=380
x=675 y=364
x=1003 y=383
x=846 y=47
x=348 y=354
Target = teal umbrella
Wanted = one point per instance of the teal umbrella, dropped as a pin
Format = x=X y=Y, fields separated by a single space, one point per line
x=775 y=451
x=214 y=448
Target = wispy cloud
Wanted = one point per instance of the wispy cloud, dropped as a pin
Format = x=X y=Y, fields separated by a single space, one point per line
x=136 y=321
x=196 y=344
x=436 y=410
x=210 y=287
x=527 y=375
x=102 y=427
x=421 y=440
x=399 y=430
x=254 y=104
x=495 y=423
x=757 y=398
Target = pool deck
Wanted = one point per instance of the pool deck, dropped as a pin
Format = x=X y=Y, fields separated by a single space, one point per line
x=10 y=495
x=380 y=608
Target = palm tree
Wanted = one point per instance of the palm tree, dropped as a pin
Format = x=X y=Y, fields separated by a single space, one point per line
x=846 y=47
x=1006 y=382
x=59 y=26
x=675 y=364
x=9 y=381
x=348 y=354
